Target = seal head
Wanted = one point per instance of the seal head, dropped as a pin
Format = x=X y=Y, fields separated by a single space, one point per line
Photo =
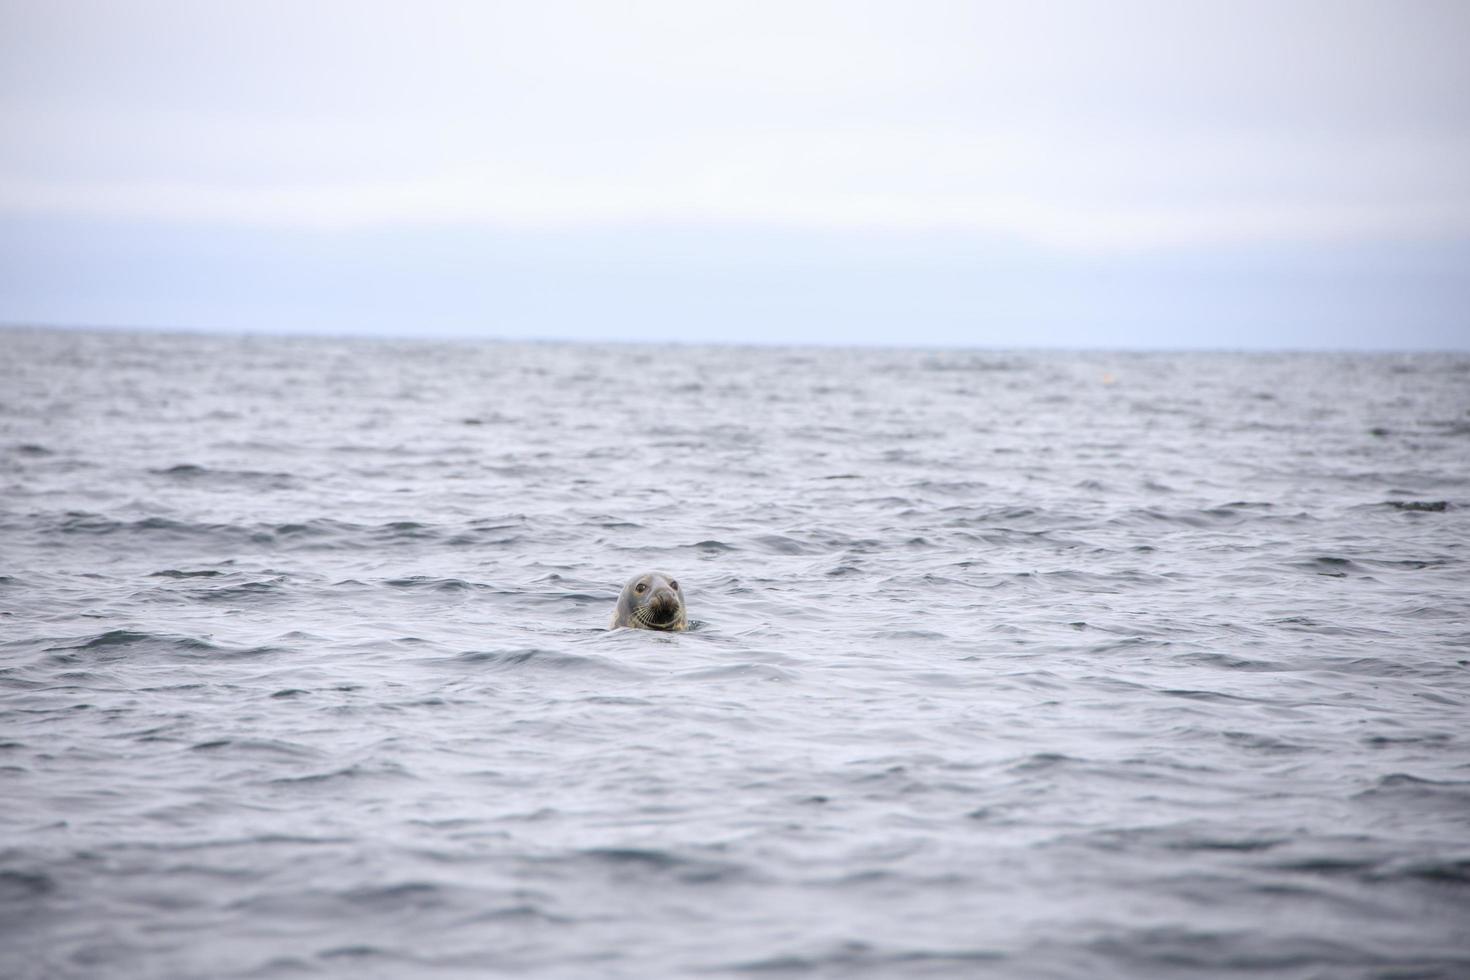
x=651 y=601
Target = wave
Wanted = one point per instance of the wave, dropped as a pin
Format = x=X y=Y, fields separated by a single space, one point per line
x=24 y=887
x=194 y=474
x=1418 y=506
x=323 y=533
x=854 y=958
x=119 y=644
x=536 y=659
x=436 y=584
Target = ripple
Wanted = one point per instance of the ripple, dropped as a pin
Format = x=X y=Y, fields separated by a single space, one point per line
x=682 y=868
x=24 y=886
x=535 y=659
x=434 y=584
x=124 y=643
x=1419 y=506
x=854 y=957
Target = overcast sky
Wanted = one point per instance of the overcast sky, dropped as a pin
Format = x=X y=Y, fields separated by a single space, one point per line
x=1095 y=174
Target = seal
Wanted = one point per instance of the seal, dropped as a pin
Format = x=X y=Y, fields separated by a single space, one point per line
x=651 y=601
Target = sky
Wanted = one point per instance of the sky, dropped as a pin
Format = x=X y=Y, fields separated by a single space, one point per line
x=1085 y=174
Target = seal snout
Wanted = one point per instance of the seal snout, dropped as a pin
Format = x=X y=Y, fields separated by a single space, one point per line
x=663 y=605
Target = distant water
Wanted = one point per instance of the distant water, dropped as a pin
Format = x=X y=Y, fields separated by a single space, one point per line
x=1006 y=664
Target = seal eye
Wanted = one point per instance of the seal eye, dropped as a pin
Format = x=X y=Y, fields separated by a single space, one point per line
x=674 y=586
x=641 y=587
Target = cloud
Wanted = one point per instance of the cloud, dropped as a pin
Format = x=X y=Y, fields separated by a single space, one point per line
x=1078 y=125
x=1103 y=195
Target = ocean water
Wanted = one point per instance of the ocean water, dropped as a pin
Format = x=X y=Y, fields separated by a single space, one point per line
x=1004 y=664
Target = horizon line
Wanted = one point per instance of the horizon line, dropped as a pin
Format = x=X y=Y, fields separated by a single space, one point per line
x=428 y=337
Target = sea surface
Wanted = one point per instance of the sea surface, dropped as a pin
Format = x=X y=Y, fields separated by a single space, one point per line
x=1004 y=664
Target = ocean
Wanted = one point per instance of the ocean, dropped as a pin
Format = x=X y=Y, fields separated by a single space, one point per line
x=1002 y=663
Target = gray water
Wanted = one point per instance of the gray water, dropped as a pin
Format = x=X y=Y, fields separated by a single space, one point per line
x=1004 y=664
